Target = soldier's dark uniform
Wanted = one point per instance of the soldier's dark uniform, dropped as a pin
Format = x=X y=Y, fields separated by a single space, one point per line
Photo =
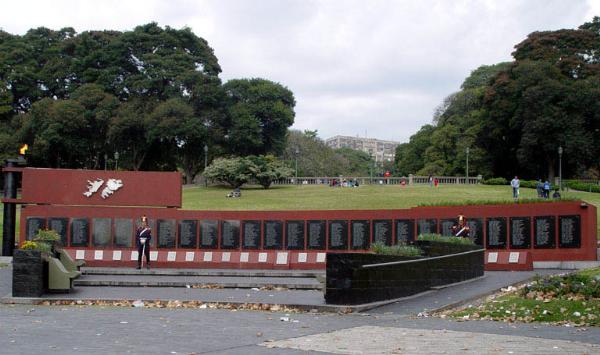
x=461 y=229
x=143 y=232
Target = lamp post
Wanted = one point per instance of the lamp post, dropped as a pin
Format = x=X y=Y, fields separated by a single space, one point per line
x=297 y=151
x=105 y=161
x=205 y=164
x=371 y=167
x=116 y=160
x=560 y=151
x=467 y=170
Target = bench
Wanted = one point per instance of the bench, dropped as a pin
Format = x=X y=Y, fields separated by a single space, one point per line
x=68 y=262
x=59 y=278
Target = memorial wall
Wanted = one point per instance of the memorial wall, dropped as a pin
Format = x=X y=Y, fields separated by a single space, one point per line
x=549 y=229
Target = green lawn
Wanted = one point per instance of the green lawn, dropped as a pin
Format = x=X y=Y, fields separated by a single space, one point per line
x=318 y=197
x=326 y=198
x=307 y=197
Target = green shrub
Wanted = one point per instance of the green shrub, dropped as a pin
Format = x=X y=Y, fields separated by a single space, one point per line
x=47 y=236
x=494 y=202
x=440 y=238
x=531 y=184
x=495 y=181
x=397 y=250
x=582 y=186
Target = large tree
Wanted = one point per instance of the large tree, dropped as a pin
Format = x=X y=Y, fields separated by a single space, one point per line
x=260 y=112
x=117 y=79
x=548 y=98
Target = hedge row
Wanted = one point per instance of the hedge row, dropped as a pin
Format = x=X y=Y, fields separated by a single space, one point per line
x=583 y=186
x=575 y=185
x=523 y=183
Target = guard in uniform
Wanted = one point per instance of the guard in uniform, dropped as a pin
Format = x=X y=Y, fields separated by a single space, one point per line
x=461 y=229
x=143 y=235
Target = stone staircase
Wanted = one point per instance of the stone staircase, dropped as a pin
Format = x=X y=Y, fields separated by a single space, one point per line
x=203 y=278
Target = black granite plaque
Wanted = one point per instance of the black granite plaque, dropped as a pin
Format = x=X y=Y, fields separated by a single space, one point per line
x=496 y=233
x=251 y=235
x=80 y=232
x=338 y=235
x=152 y=226
x=570 y=231
x=294 y=235
x=209 y=234
x=230 y=234
x=520 y=232
x=426 y=226
x=101 y=232
x=476 y=230
x=446 y=227
x=165 y=231
x=33 y=225
x=382 y=231
x=360 y=234
x=124 y=233
x=273 y=235
x=60 y=226
x=188 y=233
x=405 y=231
x=545 y=232
x=316 y=234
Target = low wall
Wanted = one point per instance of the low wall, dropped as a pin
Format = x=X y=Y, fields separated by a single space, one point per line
x=366 y=278
x=105 y=236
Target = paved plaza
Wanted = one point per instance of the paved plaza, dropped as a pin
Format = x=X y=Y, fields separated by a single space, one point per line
x=392 y=329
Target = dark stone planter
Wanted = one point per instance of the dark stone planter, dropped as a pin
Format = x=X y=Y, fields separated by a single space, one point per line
x=432 y=248
x=30 y=274
x=348 y=282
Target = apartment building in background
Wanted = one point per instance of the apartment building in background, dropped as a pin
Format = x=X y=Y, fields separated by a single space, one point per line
x=380 y=150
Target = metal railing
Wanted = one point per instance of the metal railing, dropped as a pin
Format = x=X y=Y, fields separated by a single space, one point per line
x=378 y=180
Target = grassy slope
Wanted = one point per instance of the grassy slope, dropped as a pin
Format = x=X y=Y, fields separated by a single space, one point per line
x=511 y=307
x=364 y=197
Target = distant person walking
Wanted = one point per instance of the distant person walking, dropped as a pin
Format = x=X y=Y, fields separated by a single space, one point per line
x=546 y=189
x=430 y=181
x=515 y=184
x=539 y=187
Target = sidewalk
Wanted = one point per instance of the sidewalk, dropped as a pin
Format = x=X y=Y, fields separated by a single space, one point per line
x=293 y=298
x=390 y=329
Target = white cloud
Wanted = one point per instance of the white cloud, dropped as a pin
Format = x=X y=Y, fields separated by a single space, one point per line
x=354 y=66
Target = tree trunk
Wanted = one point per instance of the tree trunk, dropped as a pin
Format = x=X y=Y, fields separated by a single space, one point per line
x=551 y=171
x=189 y=177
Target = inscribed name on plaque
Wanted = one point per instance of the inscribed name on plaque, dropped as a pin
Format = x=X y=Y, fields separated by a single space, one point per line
x=545 y=232
x=338 y=234
x=230 y=234
x=496 y=233
x=294 y=235
x=209 y=236
x=316 y=234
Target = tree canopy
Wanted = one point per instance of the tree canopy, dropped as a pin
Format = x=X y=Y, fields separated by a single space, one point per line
x=152 y=95
x=514 y=116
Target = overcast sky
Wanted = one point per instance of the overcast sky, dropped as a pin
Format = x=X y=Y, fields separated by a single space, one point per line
x=356 y=67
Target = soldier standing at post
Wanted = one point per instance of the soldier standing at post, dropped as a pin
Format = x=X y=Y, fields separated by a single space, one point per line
x=461 y=229
x=143 y=235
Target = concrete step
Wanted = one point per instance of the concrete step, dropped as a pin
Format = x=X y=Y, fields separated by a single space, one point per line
x=145 y=279
x=203 y=272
